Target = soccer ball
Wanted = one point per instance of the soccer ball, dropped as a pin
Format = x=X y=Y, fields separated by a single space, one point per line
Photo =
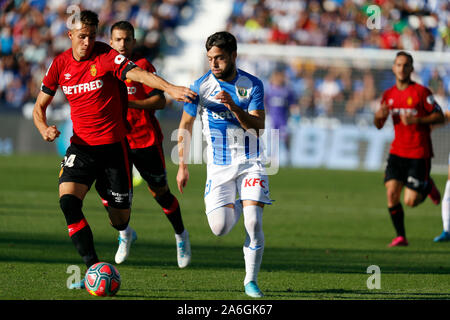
x=102 y=279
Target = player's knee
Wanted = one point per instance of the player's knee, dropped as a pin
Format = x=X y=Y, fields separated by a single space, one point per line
x=218 y=222
x=158 y=192
x=393 y=196
x=412 y=201
x=219 y=228
x=71 y=207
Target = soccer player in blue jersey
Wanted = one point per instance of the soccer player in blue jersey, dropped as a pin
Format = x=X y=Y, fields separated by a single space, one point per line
x=230 y=103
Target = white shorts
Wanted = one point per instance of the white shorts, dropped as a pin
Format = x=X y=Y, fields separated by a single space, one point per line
x=223 y=183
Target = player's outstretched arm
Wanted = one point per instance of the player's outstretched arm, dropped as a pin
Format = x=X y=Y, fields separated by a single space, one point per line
x=184 y=144
x=179 y=93
x=380 y=116
x=48 y=133
x=434 y=118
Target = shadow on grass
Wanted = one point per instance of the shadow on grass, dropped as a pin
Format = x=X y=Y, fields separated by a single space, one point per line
x=36 y=248
x=362 y=294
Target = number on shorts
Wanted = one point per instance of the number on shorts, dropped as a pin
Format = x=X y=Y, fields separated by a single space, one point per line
x=68 y=161
x=207 y=187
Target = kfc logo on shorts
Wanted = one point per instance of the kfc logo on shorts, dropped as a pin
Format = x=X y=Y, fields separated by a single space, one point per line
x=254 y=182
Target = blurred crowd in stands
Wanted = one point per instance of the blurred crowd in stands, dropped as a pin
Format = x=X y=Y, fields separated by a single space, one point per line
x=33 y=32
x=404 y=24
x=342 y=91
x=336 y=88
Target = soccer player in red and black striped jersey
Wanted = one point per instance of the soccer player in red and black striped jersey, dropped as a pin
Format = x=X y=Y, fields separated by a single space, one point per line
x=145 y=140
x=413 y=111
x=89 y=74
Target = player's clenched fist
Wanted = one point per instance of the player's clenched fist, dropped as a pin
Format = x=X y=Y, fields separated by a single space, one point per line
x=51 y=133
x=226 y=99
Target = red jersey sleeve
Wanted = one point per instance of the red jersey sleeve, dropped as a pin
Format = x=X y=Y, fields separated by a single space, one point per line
x=116 y=63
x=51 y=79
x=429 y=104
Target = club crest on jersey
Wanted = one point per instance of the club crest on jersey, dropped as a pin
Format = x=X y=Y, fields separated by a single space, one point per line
x=242 y=92
x=93 y=70
x=409 y=101
x=243 y=88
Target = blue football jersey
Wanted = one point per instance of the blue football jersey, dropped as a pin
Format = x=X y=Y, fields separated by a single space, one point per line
x=226 y=140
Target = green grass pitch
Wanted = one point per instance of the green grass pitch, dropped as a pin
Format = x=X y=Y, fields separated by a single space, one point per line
x=322 y=233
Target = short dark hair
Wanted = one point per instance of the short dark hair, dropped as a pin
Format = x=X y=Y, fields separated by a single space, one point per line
x=405 y=54
x=123 y=25
x=89 y=18
x=224 y=40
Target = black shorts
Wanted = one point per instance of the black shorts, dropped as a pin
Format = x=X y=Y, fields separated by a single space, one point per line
x=151 y=165
x=414 y=173
x=107 y=164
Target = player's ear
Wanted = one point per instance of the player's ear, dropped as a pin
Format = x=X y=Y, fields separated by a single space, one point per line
x=234 y=55
x=69 y=34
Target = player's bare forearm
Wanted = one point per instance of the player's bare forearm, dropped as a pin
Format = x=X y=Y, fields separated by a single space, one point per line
x=150 y=79
x=156 y=102
x=179 y=93
x=48 y=133
x=379 y=122
x=381 y=116
x=184 y=138
x=435 y=118
x=254 y=119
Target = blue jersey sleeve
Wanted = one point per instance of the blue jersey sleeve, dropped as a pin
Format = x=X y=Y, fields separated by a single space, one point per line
x=257 y=100
x=191 y=107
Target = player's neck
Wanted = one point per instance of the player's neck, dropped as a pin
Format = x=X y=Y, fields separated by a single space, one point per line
x=78 y=57
x=402 y=84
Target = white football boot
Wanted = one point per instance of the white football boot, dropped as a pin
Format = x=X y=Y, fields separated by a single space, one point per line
x=124 y=247
x=183 y=249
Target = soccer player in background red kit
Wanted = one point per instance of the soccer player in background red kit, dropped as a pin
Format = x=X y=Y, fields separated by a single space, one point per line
x=145 y=140
x=89 y=74
x=413 y=111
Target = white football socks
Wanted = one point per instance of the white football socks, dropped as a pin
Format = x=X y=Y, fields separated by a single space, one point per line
x=446 y=207
x=254 y=242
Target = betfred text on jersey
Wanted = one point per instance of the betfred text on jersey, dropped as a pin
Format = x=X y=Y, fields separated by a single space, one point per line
x=223 y=115
x=82 y=87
